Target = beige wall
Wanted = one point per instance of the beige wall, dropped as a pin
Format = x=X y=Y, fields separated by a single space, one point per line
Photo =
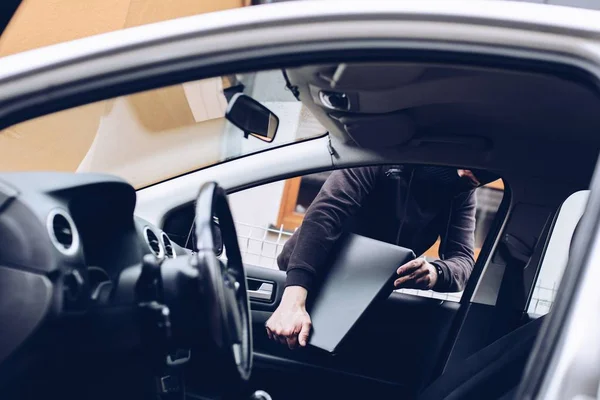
x=144 y=137
x=40 y=23
x=62 y=141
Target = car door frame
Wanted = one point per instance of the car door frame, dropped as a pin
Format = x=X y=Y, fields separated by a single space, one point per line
x=50 y=79
x=62 y=76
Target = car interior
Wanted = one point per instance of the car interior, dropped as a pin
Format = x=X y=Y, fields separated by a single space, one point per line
x=442 y=335
x=94 y=297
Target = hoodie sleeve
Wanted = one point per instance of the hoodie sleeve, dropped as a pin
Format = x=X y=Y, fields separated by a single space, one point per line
x=340 y=197
x=458 y=244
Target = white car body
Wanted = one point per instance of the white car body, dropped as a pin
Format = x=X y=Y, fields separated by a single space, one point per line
x=527 y=31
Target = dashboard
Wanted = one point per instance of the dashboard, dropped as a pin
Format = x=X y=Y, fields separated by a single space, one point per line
x=66 y=240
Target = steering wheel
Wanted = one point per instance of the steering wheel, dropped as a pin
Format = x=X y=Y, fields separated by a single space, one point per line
x=224 y=280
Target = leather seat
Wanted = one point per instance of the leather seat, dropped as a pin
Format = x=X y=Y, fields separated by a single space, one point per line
x=495 y=371
x=491 y=373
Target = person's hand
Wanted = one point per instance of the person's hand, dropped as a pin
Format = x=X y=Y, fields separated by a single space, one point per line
x=290 y=323
x=416 y=274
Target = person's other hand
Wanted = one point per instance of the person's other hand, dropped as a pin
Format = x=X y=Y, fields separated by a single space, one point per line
x=416 y=274
x=290 y=323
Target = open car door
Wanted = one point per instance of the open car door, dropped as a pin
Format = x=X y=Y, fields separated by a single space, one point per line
x=403 y=341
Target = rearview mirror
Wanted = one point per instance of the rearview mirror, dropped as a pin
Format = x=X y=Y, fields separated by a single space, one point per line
x=252 y=117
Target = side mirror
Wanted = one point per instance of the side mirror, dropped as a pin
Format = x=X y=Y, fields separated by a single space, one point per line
x=252 y=117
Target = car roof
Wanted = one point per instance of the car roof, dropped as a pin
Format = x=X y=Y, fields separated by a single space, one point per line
x=561 y=20
x=524 y=122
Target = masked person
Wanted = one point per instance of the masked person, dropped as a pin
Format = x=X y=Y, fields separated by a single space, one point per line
x=410 y=206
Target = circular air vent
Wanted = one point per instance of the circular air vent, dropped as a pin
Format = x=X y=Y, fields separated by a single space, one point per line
x=169 y=251
x=153 y=243
x=62 y=231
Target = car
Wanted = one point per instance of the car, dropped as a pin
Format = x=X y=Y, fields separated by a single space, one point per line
x=138 y=167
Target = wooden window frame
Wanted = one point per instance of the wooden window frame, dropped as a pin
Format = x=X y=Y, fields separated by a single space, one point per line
x=288 y=218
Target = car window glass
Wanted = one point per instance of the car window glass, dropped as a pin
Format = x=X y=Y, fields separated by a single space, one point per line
x=155 y=135
x=266 y=216
x=557 y=253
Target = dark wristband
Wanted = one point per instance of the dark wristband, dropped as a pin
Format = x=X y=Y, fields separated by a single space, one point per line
x=440 y=272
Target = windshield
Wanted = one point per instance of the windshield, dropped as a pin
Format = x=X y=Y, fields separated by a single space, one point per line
x=155 y=135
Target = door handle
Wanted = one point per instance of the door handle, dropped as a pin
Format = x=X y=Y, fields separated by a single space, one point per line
x=264 y=292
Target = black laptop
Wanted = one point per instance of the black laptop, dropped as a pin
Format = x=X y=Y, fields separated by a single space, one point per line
x=361 y=270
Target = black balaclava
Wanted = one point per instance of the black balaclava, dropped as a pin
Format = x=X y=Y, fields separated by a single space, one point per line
x=447 y=180
x=433 y=187
x=441 y=180
x=484 y=177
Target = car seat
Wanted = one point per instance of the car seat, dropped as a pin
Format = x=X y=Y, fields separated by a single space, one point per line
x=493 y=372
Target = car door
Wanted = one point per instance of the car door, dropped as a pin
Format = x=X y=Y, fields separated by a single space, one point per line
x=384 y=354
